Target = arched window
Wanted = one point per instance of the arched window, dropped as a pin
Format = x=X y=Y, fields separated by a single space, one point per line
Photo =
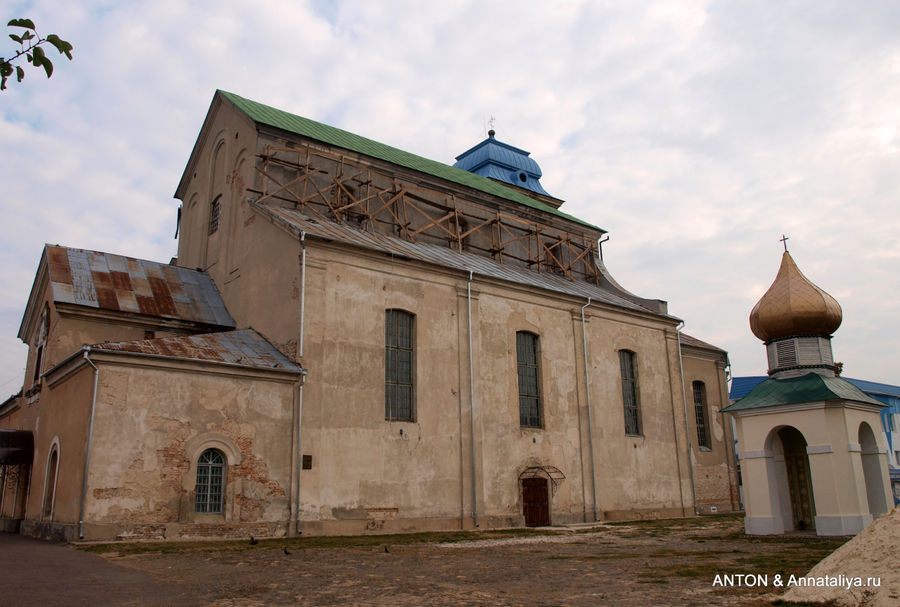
x=630 y=392
x=529 y=379
x=399 y=365
x=50 y=485
x=701 y=414
x=210 y=490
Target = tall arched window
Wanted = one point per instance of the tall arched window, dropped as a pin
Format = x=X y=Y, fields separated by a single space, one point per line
x=399 y=365
x=210 y=490
x=529 y=379
x=630 y=392
x=701 y=414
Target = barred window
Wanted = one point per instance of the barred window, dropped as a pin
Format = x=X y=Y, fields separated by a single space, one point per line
x=529 y=379
x=210 y=482
x=630 y=392
x=399 y=353
x=701 y=414
x=215 y=210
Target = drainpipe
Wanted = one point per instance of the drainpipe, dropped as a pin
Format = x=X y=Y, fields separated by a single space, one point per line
x=303 y=374
x=87 y=450
x=587 y=392
x=600 y=242
x=472 y=401
x=687 y=430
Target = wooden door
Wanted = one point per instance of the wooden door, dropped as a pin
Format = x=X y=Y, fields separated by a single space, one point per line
x=536 y=502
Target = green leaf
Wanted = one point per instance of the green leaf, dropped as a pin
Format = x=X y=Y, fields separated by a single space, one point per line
x=16 y=38
x=20 y=73
x=26 y=23
x=3 y=83
x=61 y=45
x=27 y=36
x=6 y=69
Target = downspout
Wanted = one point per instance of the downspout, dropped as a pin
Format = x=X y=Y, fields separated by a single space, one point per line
x=687 y=430
x=587 y=393
x=87 y=450
x=303 y=375
x=600 y=242
x=472 y=401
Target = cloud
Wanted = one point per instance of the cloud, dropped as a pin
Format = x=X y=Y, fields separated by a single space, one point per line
x=696 y=132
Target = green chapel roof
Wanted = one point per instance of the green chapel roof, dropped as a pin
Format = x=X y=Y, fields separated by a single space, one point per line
x=811 y=387
x=305 y=127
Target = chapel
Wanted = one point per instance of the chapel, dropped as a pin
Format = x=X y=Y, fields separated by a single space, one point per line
x=813 y=457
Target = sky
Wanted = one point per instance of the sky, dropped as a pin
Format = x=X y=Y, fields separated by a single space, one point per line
x=696 y=133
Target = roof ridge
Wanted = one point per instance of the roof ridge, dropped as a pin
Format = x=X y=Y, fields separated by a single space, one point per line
x=282 y=119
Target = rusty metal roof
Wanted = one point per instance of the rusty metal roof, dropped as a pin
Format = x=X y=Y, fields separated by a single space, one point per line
x=446 y=257
x=245 y=347
x=113 y=282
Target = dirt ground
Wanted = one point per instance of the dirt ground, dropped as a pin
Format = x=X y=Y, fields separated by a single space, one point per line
x=642 y=564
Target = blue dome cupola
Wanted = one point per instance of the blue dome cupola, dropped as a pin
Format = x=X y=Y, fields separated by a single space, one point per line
x=504 y=163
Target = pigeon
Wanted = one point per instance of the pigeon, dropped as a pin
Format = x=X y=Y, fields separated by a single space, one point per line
x=253 y=541
x=286 y=551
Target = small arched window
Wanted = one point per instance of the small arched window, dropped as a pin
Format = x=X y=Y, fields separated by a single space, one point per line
x=210 y=482
x=215 y=210
x=701 y=414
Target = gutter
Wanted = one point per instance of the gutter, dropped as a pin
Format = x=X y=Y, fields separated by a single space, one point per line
x=87 y=450
x=299 y=452
x=587 y=392
x=472 y=401
x=687 y=430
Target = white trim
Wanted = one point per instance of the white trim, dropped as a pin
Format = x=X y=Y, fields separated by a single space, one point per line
x=754 y=455
x=818 y=449
x=854 y=448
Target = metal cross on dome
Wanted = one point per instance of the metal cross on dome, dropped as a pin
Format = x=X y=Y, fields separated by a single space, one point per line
x=784 y=240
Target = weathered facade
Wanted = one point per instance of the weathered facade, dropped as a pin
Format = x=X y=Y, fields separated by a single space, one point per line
x=442 y=350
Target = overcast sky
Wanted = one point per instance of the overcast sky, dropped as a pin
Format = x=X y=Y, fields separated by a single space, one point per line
x=696 y=133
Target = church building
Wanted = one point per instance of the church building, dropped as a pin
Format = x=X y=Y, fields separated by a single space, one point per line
x=355 y=339
x=811 y=450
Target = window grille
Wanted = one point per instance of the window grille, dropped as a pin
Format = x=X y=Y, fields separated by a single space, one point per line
x=701 y=414
x=529 y=380
x=398 y=365
x=214 y=212
x=210 y=482
x=630 y=393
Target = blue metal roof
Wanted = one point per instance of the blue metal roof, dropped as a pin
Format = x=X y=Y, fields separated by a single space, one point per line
x=741 y=386
x=502 y=162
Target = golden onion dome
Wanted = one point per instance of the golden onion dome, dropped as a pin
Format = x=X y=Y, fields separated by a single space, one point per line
x=794 y=306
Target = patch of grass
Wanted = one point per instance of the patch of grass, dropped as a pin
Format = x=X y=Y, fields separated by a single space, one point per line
x=595 y=557
x=781 y=603
x=301 y=543
x=706 y=520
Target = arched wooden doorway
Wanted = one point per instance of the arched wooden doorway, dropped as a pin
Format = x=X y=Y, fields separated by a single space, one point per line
x=799 y=480
x=537 y=482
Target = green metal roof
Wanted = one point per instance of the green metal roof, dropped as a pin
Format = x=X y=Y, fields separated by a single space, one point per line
x=286 y=121
x=808 y=388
